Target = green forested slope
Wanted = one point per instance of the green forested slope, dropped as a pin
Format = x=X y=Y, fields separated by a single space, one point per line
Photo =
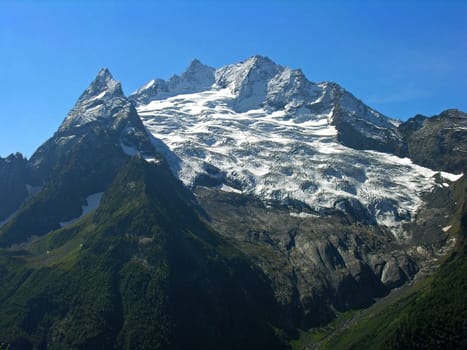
x=142 y=272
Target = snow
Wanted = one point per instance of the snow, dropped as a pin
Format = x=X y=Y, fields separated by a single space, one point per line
x=97 y=103
x=65 y=139
x=286 y=152
x=274 y=156
x=32 y=190
x=302 y=215
x=128 y=150
x=384 y=272
x=98 y=97
x=151 y=160
x=7 y=219
x=92 y=203
x=226 y=188
x=451 y=177
x=447 y=228
x=147 y=86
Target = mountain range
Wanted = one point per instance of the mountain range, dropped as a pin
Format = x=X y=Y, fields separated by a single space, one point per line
x=238 y=207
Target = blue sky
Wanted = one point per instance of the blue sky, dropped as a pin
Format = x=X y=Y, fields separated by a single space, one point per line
x=400 y=57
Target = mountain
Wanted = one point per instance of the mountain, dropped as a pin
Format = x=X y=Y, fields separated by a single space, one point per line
x=265 y=130
x=236 y=207
x=80 y=160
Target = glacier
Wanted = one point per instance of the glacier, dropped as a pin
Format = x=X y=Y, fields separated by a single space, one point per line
x=265 y=130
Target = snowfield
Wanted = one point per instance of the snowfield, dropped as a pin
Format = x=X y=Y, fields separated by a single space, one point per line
x=229 y=136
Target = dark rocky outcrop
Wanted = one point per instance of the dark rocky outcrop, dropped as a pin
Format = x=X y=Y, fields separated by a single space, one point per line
x=438 y=142
x=14 y=176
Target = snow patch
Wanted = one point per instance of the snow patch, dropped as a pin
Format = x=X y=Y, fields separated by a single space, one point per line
x=33 y=190
x=92 y=202
x=303 y=215
x=451 y=177
x=226 y=188
x=7 y=219
x=151 y=160
x=97 y=97
x=128 y=150
x=447 y=228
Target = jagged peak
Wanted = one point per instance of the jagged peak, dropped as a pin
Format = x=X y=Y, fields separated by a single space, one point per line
x=17 y=156
x=103 y=84
x=93 y=104
x=196 y=65
x=453 y=112
x=197 y=77
x=104 y=73
x=258 y=62
x=197 y=72
x=235 y=75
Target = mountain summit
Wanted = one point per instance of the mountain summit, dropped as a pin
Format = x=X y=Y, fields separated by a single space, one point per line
x=197 y=77
x=104 y=83
x=103 y=99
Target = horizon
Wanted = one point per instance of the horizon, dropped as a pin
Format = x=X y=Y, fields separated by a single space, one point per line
x=401 y=59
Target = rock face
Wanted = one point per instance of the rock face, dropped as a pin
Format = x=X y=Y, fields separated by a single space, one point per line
x=360 y=127
x=317 y=264
x=438 y=142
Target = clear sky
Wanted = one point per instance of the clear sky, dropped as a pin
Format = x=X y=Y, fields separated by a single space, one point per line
x=399 y=57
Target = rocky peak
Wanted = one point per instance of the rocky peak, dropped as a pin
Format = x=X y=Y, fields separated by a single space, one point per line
x=454 y=113
x=197 y=70
x=238 y=75
x=197 y=77
x=13 y=184
x=103 y=84
x=290 y=89
x=101 y=116
x=102 y=100
x=413 y=124
x=248 y=80
x=262 y=62
x=13 y=157
x=150 y=91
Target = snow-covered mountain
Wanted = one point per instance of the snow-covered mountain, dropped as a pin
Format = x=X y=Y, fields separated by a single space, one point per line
x=258 y=128
x=66 y=176
x=102 y=107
